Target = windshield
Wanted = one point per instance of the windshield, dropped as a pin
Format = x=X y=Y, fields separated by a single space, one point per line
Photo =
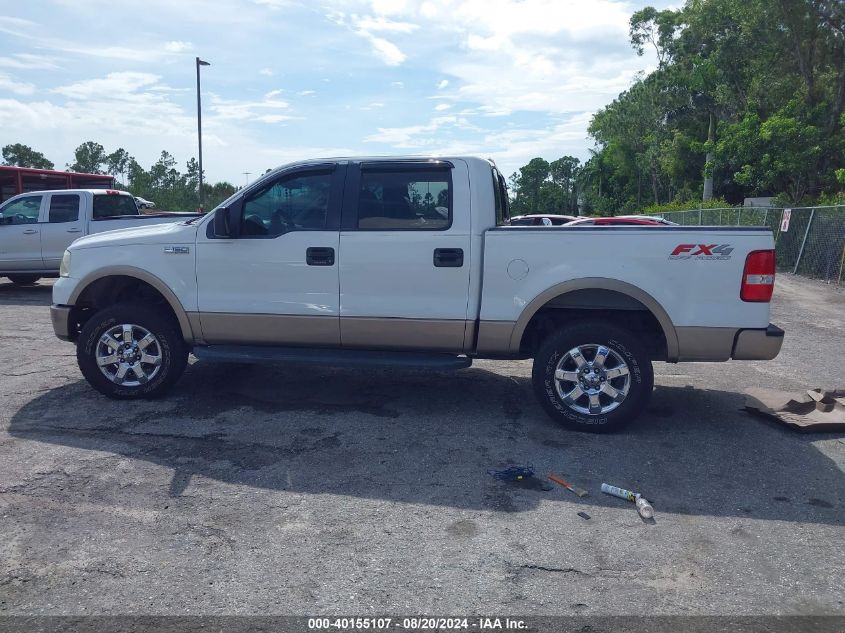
x=110 y=205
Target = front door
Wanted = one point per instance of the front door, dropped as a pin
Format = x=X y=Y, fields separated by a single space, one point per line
x=405 y=256
x=278 y=282
x=61 y=224
x=20 y=234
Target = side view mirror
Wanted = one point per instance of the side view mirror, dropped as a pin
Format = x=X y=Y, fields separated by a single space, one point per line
x=226 y=222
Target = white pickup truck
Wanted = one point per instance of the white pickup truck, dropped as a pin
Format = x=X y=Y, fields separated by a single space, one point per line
x=410 y=261
x=36 y=228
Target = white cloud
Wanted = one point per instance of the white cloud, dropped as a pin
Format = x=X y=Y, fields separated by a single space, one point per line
x=147 y=51
x=414 y=136
x=142 y=54
x=15 y=26
x=388 y=52
x=389 y=7
x=8 y=20
x=367 y=27
x=273 y=4
x=134 y=114
x=267 y=110
x=544 y=56
x=14 y=86
x=523 y=77
x=511 y=148
x=118 y=86
x=28 y=61
x=382 y=24
x=177 y=46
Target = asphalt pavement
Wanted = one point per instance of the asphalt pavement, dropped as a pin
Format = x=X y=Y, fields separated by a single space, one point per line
x=282 y=490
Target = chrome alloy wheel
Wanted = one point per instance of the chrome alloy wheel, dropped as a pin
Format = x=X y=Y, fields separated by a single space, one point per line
x=128 y=355
x=592 y=379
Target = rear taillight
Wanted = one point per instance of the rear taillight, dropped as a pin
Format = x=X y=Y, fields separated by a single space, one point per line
x=758 y=278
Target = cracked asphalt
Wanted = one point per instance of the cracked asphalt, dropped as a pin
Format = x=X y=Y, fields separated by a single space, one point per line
x=291 y=490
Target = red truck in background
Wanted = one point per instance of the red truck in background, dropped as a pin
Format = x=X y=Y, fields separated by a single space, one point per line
x=15 y=180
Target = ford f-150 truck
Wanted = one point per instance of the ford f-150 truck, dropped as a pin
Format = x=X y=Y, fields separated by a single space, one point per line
x=36 y=228
x=410 y=261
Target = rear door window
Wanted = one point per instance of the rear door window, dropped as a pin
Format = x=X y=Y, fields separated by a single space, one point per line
x=110 y=205
x=405 y=199
x=500 y=195
x=64 y=208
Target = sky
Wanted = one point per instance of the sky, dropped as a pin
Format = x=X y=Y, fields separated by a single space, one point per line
x=290 y=79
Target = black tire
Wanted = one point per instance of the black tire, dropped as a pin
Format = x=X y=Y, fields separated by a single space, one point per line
x=623 y=346
x=168 y=338
x=23 y=280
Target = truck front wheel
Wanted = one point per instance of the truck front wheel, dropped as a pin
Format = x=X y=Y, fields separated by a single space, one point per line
x=131 y=351
x=592 y=376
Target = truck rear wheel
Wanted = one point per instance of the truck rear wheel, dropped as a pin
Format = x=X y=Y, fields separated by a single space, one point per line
x=131 y=351
x=23 y=280
x=592 y=376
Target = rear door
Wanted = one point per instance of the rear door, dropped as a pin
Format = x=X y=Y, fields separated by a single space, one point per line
x=61 y=223
x=405 y=256
x=20 y=234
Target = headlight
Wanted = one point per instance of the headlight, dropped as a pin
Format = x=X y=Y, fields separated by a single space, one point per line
x=64 y=269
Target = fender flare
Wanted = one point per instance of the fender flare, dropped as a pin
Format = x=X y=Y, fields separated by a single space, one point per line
x=141 y=275
x=600 y=283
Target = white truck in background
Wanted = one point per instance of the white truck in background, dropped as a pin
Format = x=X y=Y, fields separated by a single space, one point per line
x=37 y=227
x=409 y=261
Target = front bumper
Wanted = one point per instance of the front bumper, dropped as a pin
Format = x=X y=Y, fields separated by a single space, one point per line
x=758 y=344
x=62 y=326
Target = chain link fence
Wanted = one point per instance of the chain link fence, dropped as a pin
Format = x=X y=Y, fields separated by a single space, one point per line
x=812 y=245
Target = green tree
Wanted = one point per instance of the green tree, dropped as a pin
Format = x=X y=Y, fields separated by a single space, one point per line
x=543 y=187
x=530 y=182
x=748 y=97
x=564 y=177
x=20 y=155
x=89 y=158
x=117 y=163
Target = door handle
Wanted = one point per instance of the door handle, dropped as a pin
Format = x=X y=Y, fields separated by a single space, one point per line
x=448 y=257
x=319 y=256
x=74 y=230
x=30 y=232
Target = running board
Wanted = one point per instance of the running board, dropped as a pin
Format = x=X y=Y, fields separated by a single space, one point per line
x=333 y=357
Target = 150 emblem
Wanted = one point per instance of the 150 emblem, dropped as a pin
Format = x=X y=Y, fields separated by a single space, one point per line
x=702 y=251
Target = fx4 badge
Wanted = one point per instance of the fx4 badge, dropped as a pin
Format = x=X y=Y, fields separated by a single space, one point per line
x=702 y=251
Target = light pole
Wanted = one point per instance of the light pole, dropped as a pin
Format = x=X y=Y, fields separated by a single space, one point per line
x=199 y=123
x=247 y=174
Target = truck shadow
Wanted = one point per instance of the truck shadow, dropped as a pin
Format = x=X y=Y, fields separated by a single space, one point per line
x=430 y=438
x=39 y=294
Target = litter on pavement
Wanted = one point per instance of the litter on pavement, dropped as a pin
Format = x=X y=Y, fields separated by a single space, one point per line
x=561 y=481
x=643 y=506
x=514 y=473
x=815 y=410
x=522 y=477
